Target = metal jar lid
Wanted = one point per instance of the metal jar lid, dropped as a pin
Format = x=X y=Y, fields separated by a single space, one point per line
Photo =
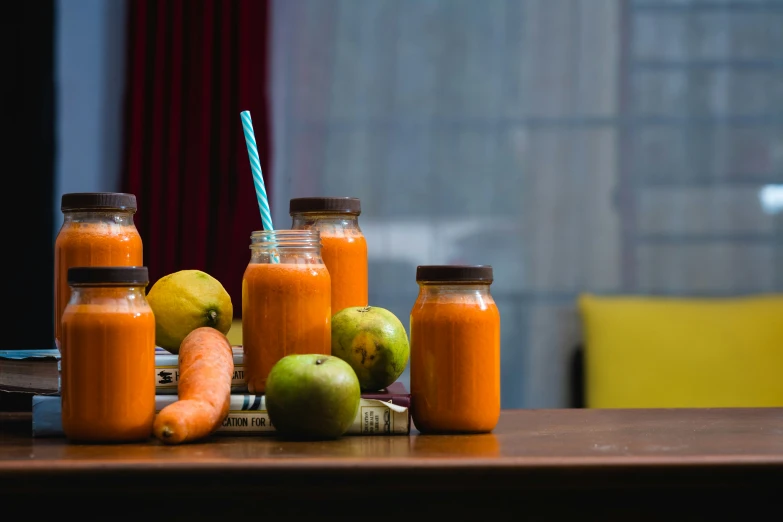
x=96 y=275
x=98 y=201
x=454 y=273
x=325 y=204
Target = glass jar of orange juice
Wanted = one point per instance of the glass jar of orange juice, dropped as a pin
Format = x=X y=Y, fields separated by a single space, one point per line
x=108 y=356
x=455 y=350
x=286 y=295
x=97 y=230
x=344 y=248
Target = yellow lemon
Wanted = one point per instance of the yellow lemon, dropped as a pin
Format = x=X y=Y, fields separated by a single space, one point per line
x=185 y=300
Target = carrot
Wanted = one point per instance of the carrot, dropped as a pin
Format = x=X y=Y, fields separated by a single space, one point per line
x=206 y=367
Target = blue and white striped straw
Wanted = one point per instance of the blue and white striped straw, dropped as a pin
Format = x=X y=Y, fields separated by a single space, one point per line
x=255 y=166
x=258 y=178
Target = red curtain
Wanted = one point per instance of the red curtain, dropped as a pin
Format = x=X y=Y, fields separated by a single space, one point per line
x=192 y=67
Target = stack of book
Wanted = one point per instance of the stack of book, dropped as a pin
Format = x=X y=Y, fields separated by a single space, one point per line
x=37 y=372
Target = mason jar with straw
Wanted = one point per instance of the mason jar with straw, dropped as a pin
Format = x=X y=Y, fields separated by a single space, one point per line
x=286 y=289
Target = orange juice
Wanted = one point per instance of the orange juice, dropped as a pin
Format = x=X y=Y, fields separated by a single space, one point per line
x=345 y=256
x=455 y=351
x=344 y=248
x=286 y=293
x=108 y=356
x=97 y=230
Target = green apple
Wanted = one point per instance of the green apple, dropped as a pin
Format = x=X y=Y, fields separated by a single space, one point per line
x=312 y=396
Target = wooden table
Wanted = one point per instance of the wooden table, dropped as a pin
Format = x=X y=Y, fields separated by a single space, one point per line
x=551 y=464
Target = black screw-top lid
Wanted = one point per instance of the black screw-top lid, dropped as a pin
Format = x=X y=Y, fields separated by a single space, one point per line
x=131 y=275
x=325 y=204
x=454 y=273
x=98 y=201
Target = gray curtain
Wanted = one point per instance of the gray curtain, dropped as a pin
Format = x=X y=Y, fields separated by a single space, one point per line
x=602 y=145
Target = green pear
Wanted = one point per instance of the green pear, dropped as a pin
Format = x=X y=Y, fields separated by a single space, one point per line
x=374 y=342
x=312 y=396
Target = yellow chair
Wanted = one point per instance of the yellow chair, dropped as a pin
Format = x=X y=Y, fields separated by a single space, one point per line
x=655 y=352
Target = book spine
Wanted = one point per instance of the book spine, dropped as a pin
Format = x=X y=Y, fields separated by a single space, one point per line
x=375 y=417
x=383 y=417
x=248 y=415
x=167 y=377
x=167 y=372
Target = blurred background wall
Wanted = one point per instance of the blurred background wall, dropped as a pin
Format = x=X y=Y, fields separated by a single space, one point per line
x=90 y=78
x=603 y=145
x=616 y=146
